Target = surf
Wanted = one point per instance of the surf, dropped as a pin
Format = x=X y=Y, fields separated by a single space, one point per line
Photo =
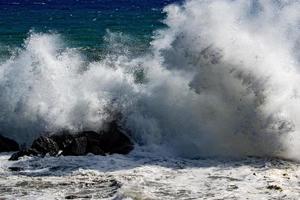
x=220 y=80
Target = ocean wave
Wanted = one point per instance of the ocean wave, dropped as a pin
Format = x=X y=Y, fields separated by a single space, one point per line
x=221 y=80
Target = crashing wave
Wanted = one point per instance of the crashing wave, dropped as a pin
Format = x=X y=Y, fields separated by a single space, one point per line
x=221 y=80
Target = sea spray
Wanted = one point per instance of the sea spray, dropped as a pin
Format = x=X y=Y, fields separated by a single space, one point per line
x=231 y=72
x=221 y=80
x=48 y=87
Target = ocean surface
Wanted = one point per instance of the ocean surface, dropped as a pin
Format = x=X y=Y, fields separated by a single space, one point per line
x=208 y=91
x=82 y=24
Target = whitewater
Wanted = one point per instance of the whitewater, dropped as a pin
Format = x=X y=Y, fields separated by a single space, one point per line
x=219 y=84
x=144 y=175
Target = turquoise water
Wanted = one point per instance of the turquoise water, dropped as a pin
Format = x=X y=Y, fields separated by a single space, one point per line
x=82 y=24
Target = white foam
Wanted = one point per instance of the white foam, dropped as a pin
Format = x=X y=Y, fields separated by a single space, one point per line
x=222 y=79
x=144 y=175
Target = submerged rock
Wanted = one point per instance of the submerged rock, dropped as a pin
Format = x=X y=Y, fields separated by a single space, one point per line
x=109 y=141
x=7 y=144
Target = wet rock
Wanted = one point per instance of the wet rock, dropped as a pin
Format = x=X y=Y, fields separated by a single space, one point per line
x=45 y=145
x=24 y=152
x=274 y=187
x=112 y=139
x=96 y=150
x=7 y=144
x=15 y=169
x=78 y=197
x=77 y=147
x=63 y=139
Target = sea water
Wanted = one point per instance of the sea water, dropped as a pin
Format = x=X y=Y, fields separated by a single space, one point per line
x=193 y=80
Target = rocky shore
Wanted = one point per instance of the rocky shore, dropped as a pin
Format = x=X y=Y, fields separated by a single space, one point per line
x=113 y=139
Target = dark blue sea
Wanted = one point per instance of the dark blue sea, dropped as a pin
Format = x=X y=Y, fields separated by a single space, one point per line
x=81 y=23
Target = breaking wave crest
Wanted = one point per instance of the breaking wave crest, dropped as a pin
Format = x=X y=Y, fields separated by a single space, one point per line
x=221 y=80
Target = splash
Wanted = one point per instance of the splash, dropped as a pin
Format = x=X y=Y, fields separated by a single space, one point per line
x=46 y=87
x=221 y=80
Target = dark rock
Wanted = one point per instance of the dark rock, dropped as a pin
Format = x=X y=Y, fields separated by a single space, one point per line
x=274 y=187
x=25 y=152
x=77 y=147
x=112 y=140
x=95 y=150
x=45 y=145
x=78 y=197
x=15 y=169
x=109 y=141
x=7 y=144
x=63 y=139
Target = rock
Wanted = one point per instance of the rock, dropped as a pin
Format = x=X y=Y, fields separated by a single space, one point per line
x=16 y=169
x=7 y=144
x=78 y=197
x=109 y=141
x=25 y=152
x=45 y=145
x=274 y=187
x=96 y=150
x=77 y=147
x=112 y=140
x=63 y=139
